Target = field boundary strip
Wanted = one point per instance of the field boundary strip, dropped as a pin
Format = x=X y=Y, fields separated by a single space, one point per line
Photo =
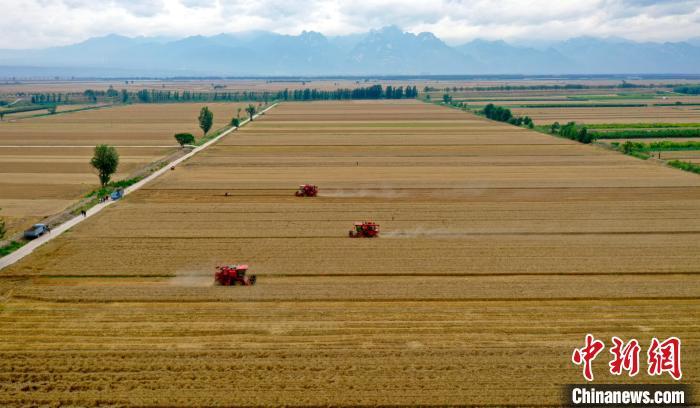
x=148 y=300
x=60 y=229
x=371 y=275
x=399 y=235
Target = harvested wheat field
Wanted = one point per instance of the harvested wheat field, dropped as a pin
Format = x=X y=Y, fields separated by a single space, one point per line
x=500 y=249
x=685 y=155
x=128 y=125
x=44 y=161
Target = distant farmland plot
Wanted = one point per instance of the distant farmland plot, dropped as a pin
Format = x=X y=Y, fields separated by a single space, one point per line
x=611 y=85
x=500 y=249
x=691 y=156
x=44 y=161
x=130 y=125
x=59 y=109
x=681 y=114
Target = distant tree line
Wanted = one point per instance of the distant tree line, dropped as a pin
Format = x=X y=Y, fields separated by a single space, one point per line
x=643 y=125
x=646 y=134
x=677 y=103
x=49 y=98
x=583 y=105
x=690 y=90
x=370 y=92
x=572 y=131
x=112 y=95
x=623 y=84
x=666 y=145
x=687 y=166
x=502 y=114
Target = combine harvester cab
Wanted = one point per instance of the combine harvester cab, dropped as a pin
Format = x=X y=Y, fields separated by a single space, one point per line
x=232 y=275
x=365 y=229
x=307 y=190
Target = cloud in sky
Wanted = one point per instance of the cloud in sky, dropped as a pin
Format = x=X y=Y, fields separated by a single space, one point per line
x=43 y=23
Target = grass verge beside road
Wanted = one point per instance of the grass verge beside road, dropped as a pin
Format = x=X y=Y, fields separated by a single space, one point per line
x=11 y=247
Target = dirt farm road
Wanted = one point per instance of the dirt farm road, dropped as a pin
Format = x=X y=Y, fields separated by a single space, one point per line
x=58 y=230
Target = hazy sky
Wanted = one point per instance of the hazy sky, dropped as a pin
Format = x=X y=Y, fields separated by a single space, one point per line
x=42 y=23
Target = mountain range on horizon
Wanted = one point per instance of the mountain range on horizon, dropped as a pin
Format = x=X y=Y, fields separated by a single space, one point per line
x=386 y=51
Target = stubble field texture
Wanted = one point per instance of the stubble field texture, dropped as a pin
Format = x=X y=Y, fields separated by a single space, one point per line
x=44 y=161
x=500 y=249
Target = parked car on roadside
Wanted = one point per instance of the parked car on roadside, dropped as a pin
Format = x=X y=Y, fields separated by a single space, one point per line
x=36 y=231
x=117 y=194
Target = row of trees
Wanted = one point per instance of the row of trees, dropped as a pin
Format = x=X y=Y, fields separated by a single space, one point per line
x=369 y=92
x=503 y=114
x=112 y=95
x=49 y=98
x=684 y=165
x=507 y=88
x=646 y=134
x=206 y=121
x=666 y=145
x=491 y=111
x=572 y=131
x=160 y=96
x=623 y=84
x=690 y=90
x=89 y=95
x=398 y=93
x=309 y=94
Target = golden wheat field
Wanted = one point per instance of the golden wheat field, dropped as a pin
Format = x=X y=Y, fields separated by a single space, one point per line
x=500 y=249
x=44 y=161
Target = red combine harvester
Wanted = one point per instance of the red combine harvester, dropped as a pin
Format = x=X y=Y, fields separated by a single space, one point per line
x=365 y=229
x=307 y=190
x=232 y=275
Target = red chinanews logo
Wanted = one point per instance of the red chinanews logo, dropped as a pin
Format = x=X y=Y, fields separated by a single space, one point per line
x=662 y=357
